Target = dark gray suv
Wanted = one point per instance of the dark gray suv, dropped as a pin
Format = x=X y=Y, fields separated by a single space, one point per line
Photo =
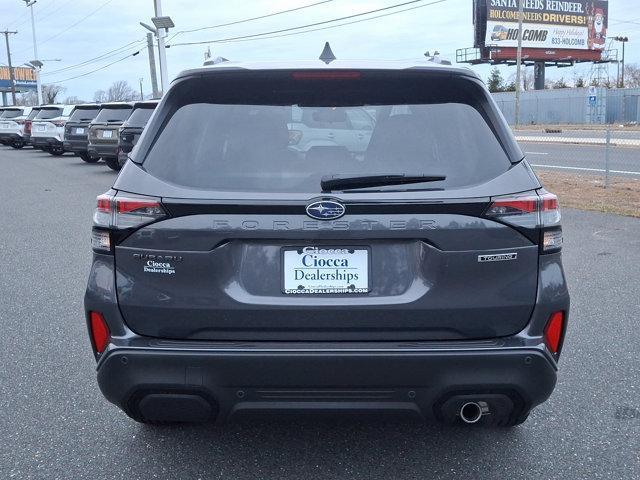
x=234 y=273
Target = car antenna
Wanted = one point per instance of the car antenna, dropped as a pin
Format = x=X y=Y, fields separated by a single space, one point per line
x=327 y=55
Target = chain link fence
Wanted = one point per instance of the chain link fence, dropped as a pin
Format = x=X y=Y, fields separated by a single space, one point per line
x=579 y=131
x=608 y=151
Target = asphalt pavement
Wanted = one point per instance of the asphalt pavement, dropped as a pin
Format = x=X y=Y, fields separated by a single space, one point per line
x=623 y=161
x=55 y=424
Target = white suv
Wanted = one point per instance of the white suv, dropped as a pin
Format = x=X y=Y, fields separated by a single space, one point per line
x=12 y=126
x=47 y=131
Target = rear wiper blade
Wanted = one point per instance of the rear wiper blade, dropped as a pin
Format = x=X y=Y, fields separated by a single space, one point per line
x=348 y=182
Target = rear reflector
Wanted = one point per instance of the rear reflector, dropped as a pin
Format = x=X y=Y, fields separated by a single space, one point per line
x=553 y=332
x=326 y=75
x=99 y=331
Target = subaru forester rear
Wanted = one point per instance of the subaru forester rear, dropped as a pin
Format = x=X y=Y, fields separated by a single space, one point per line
x=409 y=263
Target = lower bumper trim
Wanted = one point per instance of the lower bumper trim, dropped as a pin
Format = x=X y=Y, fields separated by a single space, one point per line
x=425 y=384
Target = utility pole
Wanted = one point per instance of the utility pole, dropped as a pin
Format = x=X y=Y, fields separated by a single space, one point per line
x=519 y=60
x=12 y=76
x=152 y=65
x=35 y=60
x=162 y=54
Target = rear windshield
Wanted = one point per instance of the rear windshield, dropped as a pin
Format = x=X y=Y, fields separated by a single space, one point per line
x=12 y=114
x=296 y=134
x=113 y=114
x=84 y=114
x=140 y=117
x=48 y=113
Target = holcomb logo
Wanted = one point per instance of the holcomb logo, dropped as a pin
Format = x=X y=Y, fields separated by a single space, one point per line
x=325 y=210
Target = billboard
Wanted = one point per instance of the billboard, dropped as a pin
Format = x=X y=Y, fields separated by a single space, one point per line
x=552 y=29
x=25 y=78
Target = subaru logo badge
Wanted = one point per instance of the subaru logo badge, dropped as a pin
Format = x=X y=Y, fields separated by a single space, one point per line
x=325 y=210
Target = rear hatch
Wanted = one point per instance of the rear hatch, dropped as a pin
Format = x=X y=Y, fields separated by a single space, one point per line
x=104 y=128
x=133 y=127
x=11 y=121
x=249 y=246
x=47 y=121
x=77 y=127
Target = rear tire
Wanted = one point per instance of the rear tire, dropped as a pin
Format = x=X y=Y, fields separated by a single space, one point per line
x=88 y=158
x=112 y=163
x=56 y=152
x=17 y=145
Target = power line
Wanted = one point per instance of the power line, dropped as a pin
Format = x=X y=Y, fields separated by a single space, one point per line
x=107 y=2
x=109 y=54
x=241 y=37
x=236 y=22
x=99 y=68
x=336 y=26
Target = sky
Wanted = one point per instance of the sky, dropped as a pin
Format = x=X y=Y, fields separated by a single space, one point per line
x=76 y=31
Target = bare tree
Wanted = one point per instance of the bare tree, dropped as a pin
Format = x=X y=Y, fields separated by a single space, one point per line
x=121 y=91
x=632 y=75
x=50 y=93
x=28 y=99
x=100 y=96
x=73 y=100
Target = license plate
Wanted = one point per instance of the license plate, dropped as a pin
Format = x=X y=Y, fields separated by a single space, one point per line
x=325 y=270
x=40 y=128
x=79 y=131
x=107 y=134
x=5 y=125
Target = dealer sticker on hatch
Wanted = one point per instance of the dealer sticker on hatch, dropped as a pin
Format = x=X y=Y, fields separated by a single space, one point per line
x=327 y=270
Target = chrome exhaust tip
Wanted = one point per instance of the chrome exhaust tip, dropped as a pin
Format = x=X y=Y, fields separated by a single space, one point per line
x=471 y=412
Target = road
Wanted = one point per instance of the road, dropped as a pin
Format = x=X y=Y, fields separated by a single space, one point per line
x=623 y=161
x=56 y=425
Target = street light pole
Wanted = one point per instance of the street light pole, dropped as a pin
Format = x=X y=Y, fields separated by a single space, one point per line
x=162 y=54
x=519 y=60
x=29 y=4
x=622 y=40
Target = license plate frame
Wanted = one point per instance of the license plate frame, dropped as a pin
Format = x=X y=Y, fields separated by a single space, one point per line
x=358 y=254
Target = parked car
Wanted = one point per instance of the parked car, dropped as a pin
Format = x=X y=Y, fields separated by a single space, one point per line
x=28 y=124
x=12 y=126
x=47 y=128
x=76 y=130
x=132 y=128
x=103 y=132
x=234 y=275
x=345 y=132
x=2 y=110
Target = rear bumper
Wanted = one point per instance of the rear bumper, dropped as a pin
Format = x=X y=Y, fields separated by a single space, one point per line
x=102 y=151
x=76 y=146
x=173 y=381
x=10 y=137
x=45 y=141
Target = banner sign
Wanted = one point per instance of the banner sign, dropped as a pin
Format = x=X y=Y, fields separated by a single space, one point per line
x=25 y=78
x=547 y=24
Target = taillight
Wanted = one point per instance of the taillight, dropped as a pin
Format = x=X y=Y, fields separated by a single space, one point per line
x=554 y=332
x=59 y=123
x=99 y=331
x=531 y=211
x=19 y=122
x=115 y=212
